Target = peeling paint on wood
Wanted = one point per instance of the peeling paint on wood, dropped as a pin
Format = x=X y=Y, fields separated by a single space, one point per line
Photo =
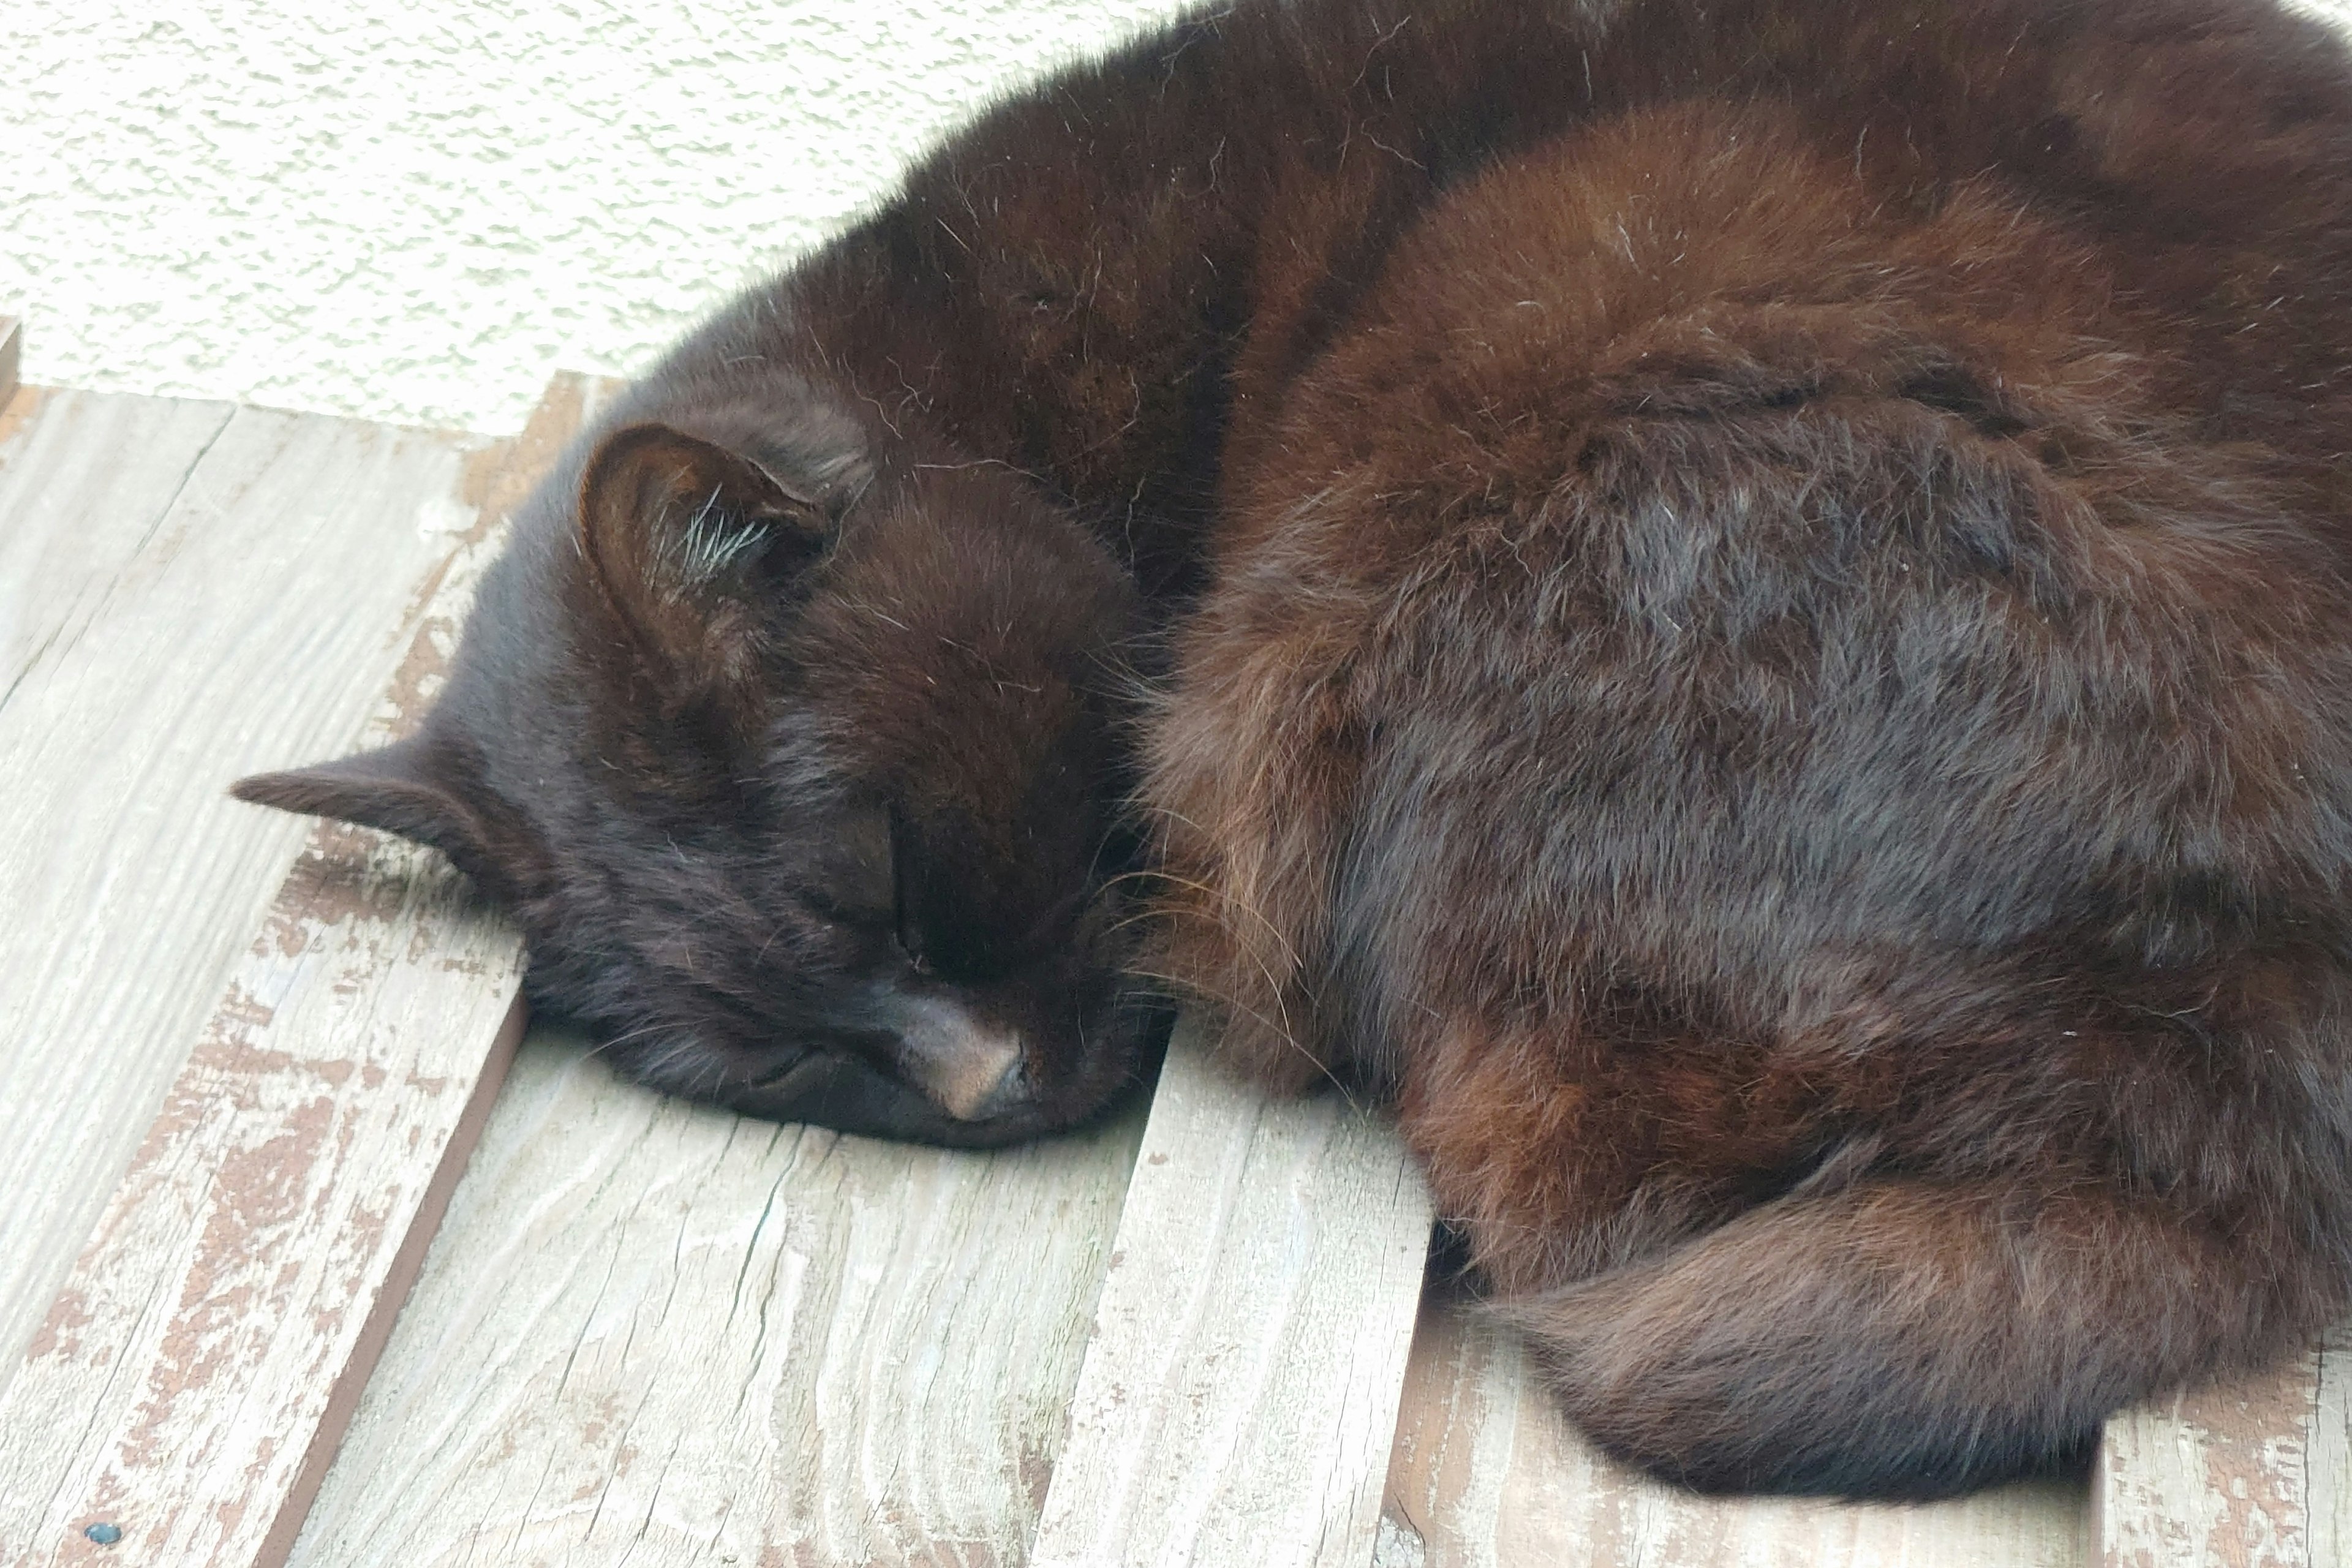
x=188 y=1384
x=1239 y=1394
x=653 y=1332
x=187 y=592
x=2247 y=1474
x=180 y=1388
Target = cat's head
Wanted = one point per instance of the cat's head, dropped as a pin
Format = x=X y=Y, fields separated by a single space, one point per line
x=793 y=750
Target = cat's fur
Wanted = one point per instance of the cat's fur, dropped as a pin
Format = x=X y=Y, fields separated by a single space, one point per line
x=1757 y=632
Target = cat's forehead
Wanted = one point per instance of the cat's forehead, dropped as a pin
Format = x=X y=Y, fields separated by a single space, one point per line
x=961 y=581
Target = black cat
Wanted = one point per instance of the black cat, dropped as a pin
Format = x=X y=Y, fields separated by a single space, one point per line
x=1744 y=606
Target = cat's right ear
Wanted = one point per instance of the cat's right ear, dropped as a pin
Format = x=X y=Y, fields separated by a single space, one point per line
x=684 y=544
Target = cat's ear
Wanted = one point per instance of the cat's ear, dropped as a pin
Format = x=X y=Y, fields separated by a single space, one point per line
x=396 y=789
x=680 y=537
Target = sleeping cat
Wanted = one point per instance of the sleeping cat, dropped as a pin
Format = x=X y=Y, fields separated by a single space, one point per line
x=1742 y=608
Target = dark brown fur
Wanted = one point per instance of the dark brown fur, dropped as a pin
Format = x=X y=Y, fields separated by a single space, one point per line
x=1756 y=604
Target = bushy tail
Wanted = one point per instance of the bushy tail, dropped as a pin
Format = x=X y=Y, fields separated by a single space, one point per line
x=1903 y=1339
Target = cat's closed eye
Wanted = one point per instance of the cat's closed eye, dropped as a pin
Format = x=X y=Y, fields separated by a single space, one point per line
x=905 y=879
x=854 y=878
x=869 y=876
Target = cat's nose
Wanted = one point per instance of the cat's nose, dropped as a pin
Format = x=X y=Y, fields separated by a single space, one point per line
x=970 y=1066
x=987 y=1080
x=1008 y=1093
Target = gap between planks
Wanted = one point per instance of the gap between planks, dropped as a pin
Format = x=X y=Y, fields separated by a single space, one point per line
x=1487 y=1473
x=583 y=1375
x=655 y=1332
x=188 y=1384
x=218 y=584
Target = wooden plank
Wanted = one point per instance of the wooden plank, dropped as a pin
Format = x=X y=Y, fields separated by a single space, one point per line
x=185 y=594
x=1486 y=1474
x=2255 y=1473
x=180 y=1387
x=654 y=1332
x=12 y=344
x=85 y=478
x=2328 y=1463
x=1240 y=1392
x=184 y=1387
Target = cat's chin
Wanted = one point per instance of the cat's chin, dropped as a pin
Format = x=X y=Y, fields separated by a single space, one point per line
x=850 y=1095
x=849 y=1092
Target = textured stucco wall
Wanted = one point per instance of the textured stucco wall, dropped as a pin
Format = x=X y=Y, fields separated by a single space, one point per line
x=414 y=210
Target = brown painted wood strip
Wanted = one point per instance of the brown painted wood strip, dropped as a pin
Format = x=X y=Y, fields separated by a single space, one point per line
x=2247 y=1474
x=1486 y=1474
x=185 y=1387
x=1240 y=1392
x=655 y=1333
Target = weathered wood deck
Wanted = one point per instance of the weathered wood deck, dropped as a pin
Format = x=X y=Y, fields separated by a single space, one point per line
x=243 y=1062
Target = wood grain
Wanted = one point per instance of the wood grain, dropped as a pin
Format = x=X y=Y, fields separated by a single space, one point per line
x=2247 y=1474
x=1239 y=1393
x=187 y=593
x=654 y=1332
x=184 y=1385
x=1486 y=1474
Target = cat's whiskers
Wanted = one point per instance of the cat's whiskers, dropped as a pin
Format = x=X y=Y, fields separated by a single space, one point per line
x=1274 y=987
x=1224 y=900
x=1279 y=1030
x=623 y=1038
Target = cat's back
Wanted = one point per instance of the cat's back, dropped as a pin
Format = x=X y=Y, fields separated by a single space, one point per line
x=1955 y=532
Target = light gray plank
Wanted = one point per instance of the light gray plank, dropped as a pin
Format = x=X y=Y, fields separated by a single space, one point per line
x=84 y=480
x=1486 y=1474
x=201 y=594
x=2328 y=1464
x=1240 y=1391
x=12 y=344
x=655 y=1333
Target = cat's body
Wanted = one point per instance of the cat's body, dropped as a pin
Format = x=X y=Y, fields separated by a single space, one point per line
x=1776 y=725
x=1757 y=633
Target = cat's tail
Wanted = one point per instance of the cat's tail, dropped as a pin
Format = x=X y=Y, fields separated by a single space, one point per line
x=1906 y=1339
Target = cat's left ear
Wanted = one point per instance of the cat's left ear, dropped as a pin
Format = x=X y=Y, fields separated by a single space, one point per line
x=397 y=789
x=685 y=542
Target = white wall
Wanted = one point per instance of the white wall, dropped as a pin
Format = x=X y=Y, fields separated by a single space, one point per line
x=415 y=210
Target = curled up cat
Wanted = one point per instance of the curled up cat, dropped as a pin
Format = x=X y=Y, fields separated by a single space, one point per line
x=1744 y=610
